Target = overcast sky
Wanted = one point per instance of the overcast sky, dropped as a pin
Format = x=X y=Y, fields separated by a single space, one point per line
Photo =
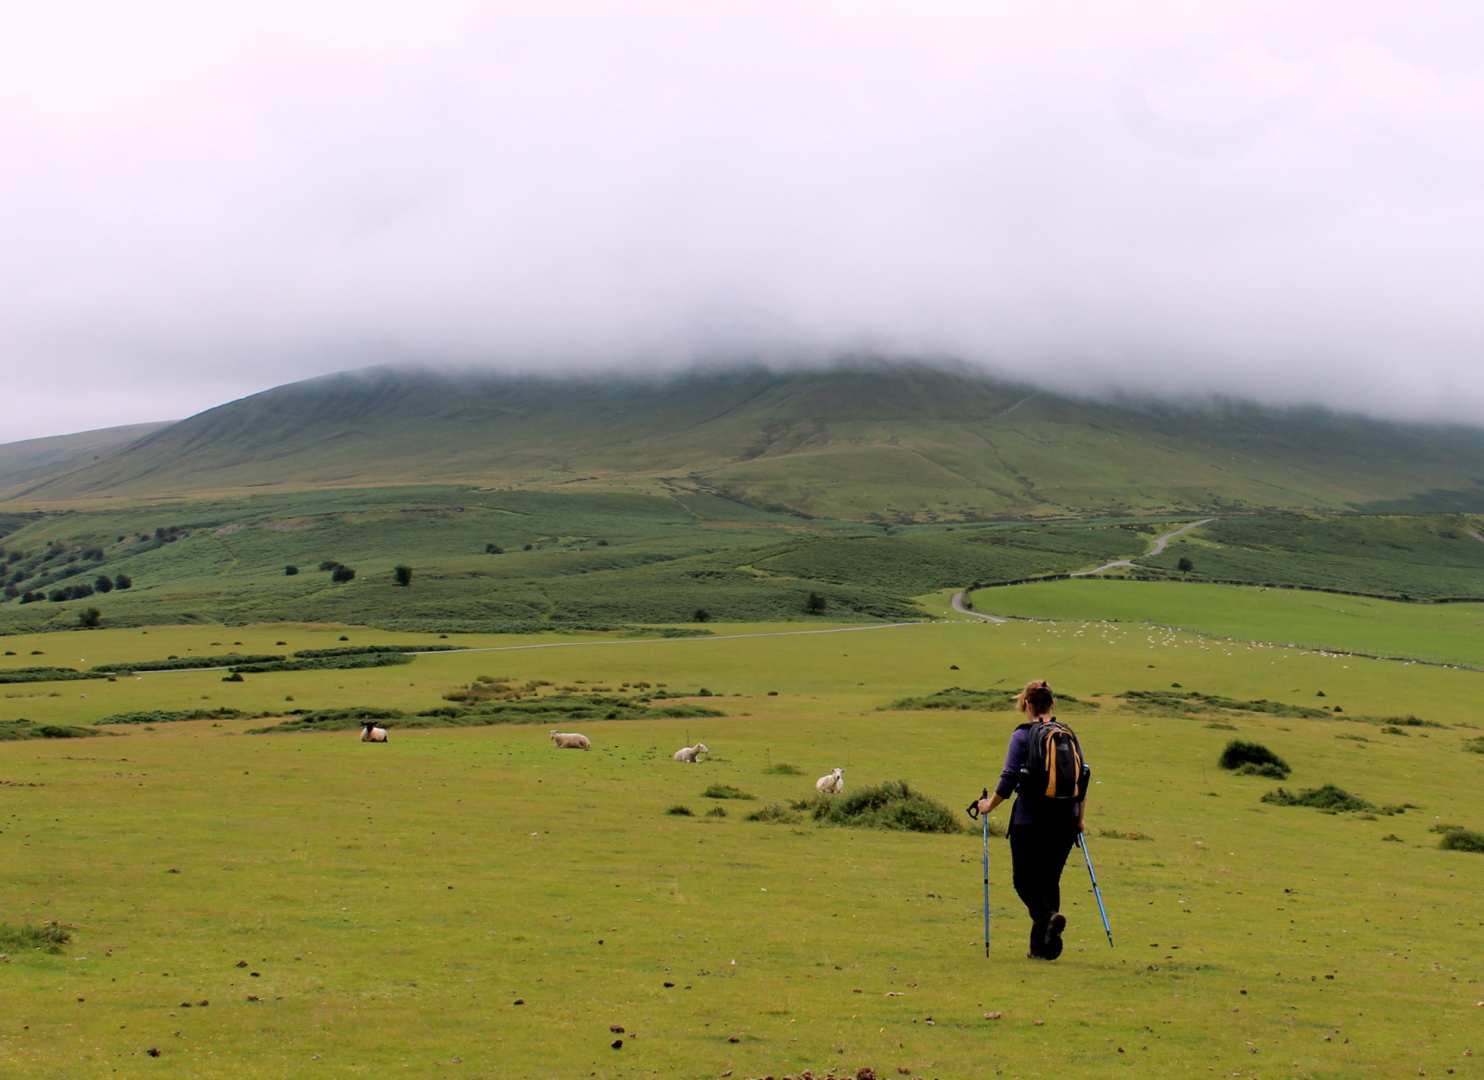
x=199 y=200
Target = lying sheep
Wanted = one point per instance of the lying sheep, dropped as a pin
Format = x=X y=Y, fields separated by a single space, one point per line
x=832 y=784
x=570 y=740
x=691 y=753
x=371 y=733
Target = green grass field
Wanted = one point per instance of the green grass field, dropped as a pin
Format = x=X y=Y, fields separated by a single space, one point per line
x=473 y=902
x=1443 y=633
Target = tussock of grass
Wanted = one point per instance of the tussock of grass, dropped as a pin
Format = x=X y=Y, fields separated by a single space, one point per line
x=15 y=730
x=680 y=810
x=166 y=716
x=726 y=791
x=956 y=697
x=776 y=813
x=1330 y=799
x=1253 y=759
x=1462 y=840
x=892 y=805
x=784 y=769
x=1474 y=746
x=717 y=811
x=1116 y=834
x=48 y=938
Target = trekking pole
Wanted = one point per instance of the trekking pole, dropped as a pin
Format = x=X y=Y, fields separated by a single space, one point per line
x=1097 y=892
x=984 y=830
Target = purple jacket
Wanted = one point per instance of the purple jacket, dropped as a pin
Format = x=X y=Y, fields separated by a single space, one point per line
x=1030 y=811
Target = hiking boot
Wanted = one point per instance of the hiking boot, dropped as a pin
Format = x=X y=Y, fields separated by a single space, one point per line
x=1054 y=927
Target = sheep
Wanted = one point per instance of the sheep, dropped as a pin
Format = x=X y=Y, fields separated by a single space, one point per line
x=832 y=784
x=570 y=740
x=371 y=733
x=689 y=754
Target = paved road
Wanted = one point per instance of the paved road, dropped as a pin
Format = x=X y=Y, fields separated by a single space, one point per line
x=1160 y=543
x=958 y=606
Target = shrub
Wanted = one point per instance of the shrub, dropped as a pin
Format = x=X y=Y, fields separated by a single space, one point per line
x=342 y=574
x=290 y=570
x=403 y=575
x=88 y=618
x=1330 y=799
x=1475 y=746
x=123 y=581
x=1253 y=759
x=496 y=549
x=1462 y=840
x=1185 y=565
x=783 y=769
x=679 y=810
x=726 y=791
x=701 y=615
x=717 y=811
x=235 y=676
x=892 y=805
x=815 y=604
x=103 y=583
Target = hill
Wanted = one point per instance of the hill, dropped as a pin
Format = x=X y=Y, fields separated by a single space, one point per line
x=31 y=460
x=871 y=441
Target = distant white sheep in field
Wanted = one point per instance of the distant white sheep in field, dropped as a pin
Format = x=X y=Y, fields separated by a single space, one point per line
x=832 y=784
x=371 y=733
x=691 y=753
x=570 y=740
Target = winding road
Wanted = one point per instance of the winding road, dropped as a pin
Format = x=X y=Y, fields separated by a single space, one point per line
x=1161 y=542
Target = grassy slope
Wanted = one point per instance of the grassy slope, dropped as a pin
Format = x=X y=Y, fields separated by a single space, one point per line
x=397 y=900
x=1428 y=557
x=1452 y=633
x=595 y=558
x=888 y=442
x=25 y=462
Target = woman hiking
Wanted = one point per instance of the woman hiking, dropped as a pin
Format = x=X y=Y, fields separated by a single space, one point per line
x=1044 y=766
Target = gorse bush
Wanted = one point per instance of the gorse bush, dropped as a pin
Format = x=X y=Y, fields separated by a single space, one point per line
x=1253 y=759
x=1330 y=799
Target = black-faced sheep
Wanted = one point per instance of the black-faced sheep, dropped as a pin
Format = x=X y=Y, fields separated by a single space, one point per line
x=371 y=733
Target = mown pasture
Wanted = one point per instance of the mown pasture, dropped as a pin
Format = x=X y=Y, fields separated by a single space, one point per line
x=473 y=902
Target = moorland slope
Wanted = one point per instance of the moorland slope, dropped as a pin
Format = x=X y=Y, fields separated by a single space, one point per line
x=871 y=441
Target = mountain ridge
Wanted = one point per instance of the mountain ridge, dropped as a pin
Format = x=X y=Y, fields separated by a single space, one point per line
x=873 y=440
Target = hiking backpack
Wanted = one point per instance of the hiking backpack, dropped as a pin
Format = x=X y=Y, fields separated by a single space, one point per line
x=1054 y=768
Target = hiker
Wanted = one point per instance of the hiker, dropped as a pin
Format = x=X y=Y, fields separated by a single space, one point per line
x=1044 y=767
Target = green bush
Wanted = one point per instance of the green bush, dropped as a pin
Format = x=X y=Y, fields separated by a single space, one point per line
x=1253 y=759
x=679 y=810
x=1330 y=799
x=892 y=805
x=1462 y=840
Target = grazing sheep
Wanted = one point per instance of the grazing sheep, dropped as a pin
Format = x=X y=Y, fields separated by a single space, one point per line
x=691 y=753
x=371 y=733
x=832 y=784
x=570 y=740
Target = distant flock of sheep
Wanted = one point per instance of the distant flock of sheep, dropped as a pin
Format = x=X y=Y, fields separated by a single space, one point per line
x=833 y=783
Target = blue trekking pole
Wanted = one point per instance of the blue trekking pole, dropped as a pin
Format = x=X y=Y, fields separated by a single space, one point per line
x=1097 y=892
x=984 y=829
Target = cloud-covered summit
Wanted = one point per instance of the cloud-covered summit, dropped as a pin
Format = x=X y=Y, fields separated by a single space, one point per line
x=1253 y=199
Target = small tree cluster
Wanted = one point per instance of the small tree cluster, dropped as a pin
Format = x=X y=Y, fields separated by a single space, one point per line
x=342 y=574
x=403 y=575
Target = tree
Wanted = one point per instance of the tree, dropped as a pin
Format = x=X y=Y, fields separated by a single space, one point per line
x=290 y=570
x=493 y=549
x=815 y=604
x=403 y=574
x=89 y=618
x=701 y=615
x=1186 y=566
x=123 y=581
x=11 y=592
x=104 y=584
x=342 y=574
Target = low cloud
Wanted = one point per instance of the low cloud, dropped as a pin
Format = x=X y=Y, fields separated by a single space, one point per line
x=1256 y=199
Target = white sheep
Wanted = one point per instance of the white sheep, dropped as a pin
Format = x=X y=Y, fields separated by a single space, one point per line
x=691 y=753
x=570 y=740
x=832 y=784
x=371 y=733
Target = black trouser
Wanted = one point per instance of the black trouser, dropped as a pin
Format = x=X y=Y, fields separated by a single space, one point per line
x=1039 y=852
